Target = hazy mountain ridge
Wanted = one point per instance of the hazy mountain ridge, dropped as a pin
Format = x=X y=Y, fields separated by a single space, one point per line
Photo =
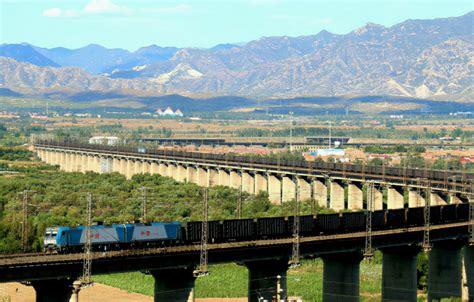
x=26 y=53
x=415 y=58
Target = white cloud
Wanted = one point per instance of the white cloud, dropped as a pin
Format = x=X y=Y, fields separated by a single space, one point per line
x=94 y=7
x=180 y=8
x=57 y=12
x=104 y=6
x=263 y=2
x=52 y=12
x=70 y=13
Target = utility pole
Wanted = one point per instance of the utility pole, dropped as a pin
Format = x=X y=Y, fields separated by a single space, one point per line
x=24 y=224
x=291 y=130
x=426 y=233
x=330 y=134
x=144 y=200
x=295 y=253
x=203 y=270
x=86 y=280
x=369 y=252
x=239 y=204
x=471 y=215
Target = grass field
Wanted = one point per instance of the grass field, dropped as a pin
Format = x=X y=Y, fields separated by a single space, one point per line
x=230 y=280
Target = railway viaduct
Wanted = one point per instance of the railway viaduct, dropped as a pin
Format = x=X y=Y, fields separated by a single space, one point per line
x=336 y=186
x=450 y=272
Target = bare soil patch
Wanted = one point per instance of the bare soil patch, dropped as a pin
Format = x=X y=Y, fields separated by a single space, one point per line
x=99 y=292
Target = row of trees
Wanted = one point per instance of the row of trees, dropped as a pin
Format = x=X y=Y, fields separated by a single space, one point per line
x=359 y=133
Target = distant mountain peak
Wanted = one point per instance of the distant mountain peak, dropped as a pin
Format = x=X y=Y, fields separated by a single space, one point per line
x=224 y=46
x=26 y=53
x=368 y=27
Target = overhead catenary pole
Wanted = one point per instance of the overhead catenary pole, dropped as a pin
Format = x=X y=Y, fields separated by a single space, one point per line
x=203 y=269
x=369 y=252
x=426 y=233
x=295 y=253
x=24 y=224
x=144 y=201
x=291 y=130
x=330 y=134
x=86 y=279
x=471 y=214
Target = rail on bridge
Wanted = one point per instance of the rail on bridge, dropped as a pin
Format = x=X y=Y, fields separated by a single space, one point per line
x=338 y=186
x=339 y=239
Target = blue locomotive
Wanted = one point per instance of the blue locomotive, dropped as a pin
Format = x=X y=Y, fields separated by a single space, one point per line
x=106 y=237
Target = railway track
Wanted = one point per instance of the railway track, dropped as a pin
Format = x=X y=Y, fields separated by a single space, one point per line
x=21 y=255
x=458 y=181
x=41 y=258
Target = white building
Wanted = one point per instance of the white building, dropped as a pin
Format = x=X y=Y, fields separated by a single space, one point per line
x=104 y=140
x=169 y=112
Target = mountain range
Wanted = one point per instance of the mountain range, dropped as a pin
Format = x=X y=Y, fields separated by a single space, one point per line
x=416 y=58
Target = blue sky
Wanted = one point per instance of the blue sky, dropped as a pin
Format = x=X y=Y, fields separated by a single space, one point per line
x=132 y=24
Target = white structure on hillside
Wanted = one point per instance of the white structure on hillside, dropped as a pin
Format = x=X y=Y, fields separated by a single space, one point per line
x=169 y=112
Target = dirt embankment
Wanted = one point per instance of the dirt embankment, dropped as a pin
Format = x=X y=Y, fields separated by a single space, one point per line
x=18 y=292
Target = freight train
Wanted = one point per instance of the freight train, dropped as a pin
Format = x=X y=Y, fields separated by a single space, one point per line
x=135 y=235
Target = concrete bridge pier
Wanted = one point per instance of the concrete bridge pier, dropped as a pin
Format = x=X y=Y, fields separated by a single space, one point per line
x=138 y=167
x=53 y=290
x=337 y=198
x=223 y=177
x=454 y=198
x=163 y=169
x=172 y=171
x=146 y=167
x=274 y=188
x=399 y=274
x=341 y=277
x=305 y=188
x=181 y=173
x=438 y=199
x=174 y=285
x=130 y=169
x=378 y=197
x=444 y=271
x=123 y=167
x=355 y=198
x=202 y=179
x=62 y=161
x=154 y=168
x=66 y=162
x=263 y=279
x=261 y=183
x=320 y=192
x=288 y=188
x=415 y=198
x=468 y=274
x=83 y=163
x=248 y=182
x=191 y=174
x=97 y=164
x=235 y=180
x=213 y=177
x=395 y=198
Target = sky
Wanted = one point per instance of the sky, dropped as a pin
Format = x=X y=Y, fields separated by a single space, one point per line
x=133 y=24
